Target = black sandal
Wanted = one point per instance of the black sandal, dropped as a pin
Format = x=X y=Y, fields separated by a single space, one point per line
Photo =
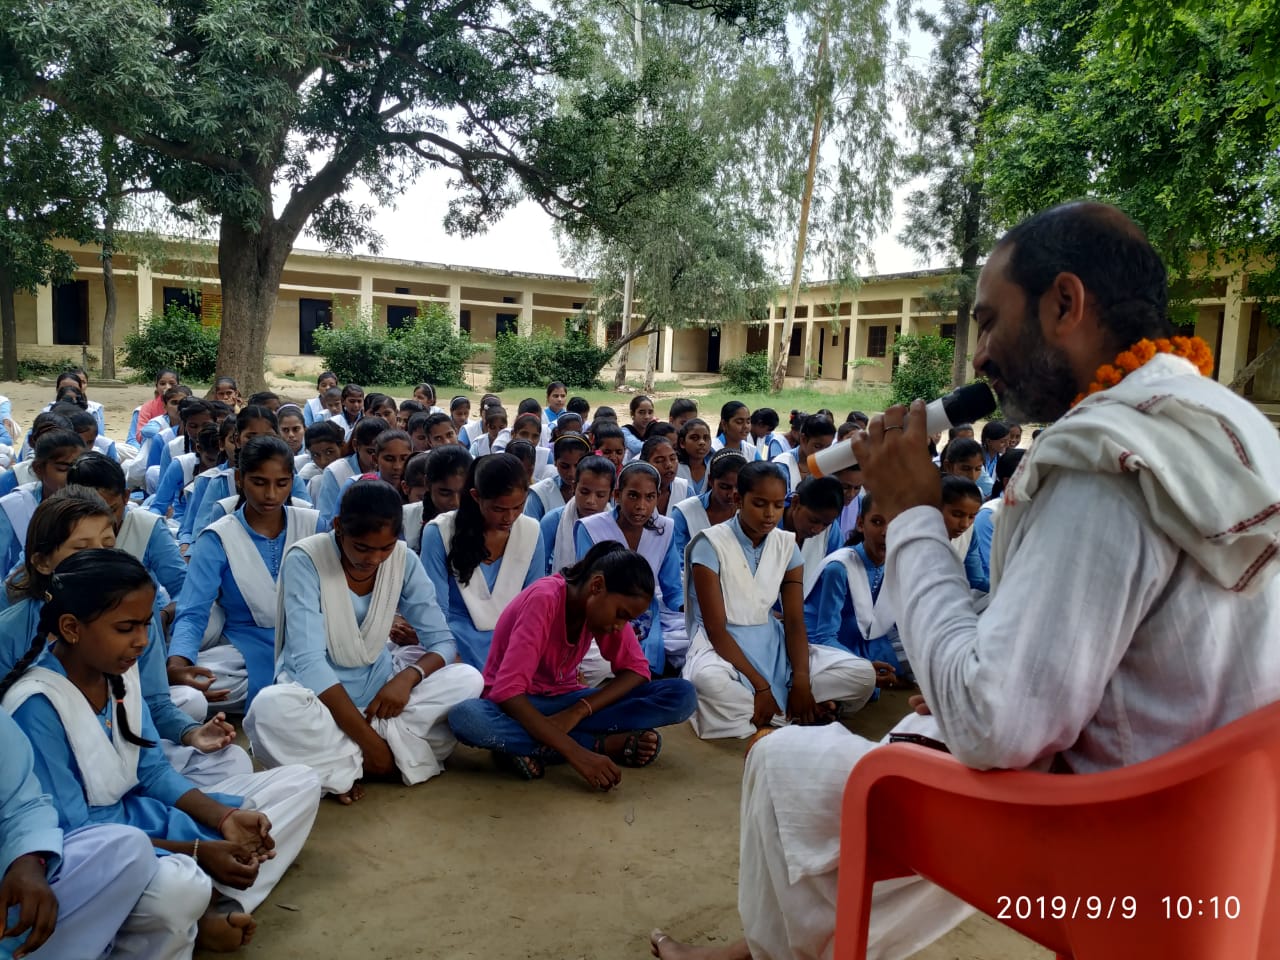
x=527 y=768
x=631 y=749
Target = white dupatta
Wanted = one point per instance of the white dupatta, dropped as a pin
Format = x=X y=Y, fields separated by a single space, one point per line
x=135 y=531
x=875 y=619
x=108 y=763
x=350 y=644
x=565 y=552
x=748 y=598
x=485 y=605
x=250 y=572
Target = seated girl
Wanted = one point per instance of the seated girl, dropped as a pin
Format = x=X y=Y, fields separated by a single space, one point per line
x=392 y=449
x=845 y=612
x=815 y=506
x=325 y=445
x=80 y=703
x=962 y=457
x=293 y=431
x=659 y=452
x=433 y=484
x=494 y=435
x=252 y=421
x=734 y=432
x=138 y=532
x=54 y=453
x=764 y=426
x=315 y=410
x=961 y=501
x=170 y=497
x=484 y=553
x=460 y=414
x=529 y=427
x=693 y=450
x=76 y=519
x=751 y=669
x=222 y=439
x=977 y=562
x=816 y=434
x=682 y=410
x=235 y=563
x=21 y=472
x=363 y=446
x=67 y=895
x=633 y=433
x=718 y=504
x=608 y=439
x=592 y=492
x=535 y=710
x=526 y=453
x=635 y=523
x=350 y=704
x=548 y=494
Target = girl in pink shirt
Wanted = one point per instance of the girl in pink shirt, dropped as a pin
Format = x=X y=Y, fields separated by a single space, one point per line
x=536 y=710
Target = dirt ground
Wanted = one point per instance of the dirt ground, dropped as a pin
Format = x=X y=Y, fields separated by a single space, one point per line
x=478 y=864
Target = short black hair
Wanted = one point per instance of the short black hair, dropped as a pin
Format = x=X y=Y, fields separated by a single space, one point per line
x=1110 y=254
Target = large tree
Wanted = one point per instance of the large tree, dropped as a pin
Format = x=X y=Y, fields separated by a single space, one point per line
x=947 y=217
x=690 y=252
x=831 y=152
x=231 y=102
x=1158 y=108
x=48 y=188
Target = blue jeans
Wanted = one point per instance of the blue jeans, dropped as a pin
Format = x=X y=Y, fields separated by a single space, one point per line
x=658 y=703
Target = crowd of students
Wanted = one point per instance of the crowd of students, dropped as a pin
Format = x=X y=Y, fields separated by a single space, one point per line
x=367 y=583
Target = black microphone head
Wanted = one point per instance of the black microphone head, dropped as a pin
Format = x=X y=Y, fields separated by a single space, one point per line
x=969 y=403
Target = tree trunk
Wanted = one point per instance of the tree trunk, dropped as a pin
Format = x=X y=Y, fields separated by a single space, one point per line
x=249 y=264
x=110 y=207
x=8 y=326
x=651 y=359
x=1238 y=384
x=802 y=232
x=620 y=372
x=968 y=280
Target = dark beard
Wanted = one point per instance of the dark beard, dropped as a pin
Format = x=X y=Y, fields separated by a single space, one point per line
x=1042 y=386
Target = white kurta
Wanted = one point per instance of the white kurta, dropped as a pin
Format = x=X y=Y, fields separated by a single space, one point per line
x=1104 y=644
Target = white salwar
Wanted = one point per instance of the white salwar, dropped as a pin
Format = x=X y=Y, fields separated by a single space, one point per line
x=1105 y=643
x=288 y=723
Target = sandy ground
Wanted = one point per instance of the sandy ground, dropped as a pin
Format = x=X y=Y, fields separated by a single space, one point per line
x=478 y=864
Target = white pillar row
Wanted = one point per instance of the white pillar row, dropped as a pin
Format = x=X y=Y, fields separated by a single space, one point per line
x=44 y=315
x=668 y=344
x=851 y=331
x=366 y=293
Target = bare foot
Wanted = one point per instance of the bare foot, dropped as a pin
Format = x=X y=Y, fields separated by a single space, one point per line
x=351 y=796
x=647 y=743
x=665 y=947
x=224 y=932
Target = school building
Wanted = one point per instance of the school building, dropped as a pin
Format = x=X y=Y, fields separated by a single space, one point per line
x=848 y=339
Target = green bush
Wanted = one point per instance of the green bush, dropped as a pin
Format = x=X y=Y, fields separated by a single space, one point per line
x=175 y=339
x=924 y=368
x=748 y=373
x=427 y=348
x=355 y=352
x=535 y=361
x=29 y=369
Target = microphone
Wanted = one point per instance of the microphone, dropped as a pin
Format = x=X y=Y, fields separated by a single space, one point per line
x=969 y=403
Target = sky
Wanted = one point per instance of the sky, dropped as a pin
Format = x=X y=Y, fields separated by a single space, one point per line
x=525 y=239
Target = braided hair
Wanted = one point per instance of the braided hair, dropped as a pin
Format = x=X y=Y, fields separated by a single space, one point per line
x=495 y=475
x=87 y=585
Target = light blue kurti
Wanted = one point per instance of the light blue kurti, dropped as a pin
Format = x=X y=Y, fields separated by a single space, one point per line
x=550 y=526
x=670 y=584
x=163 y=560
x=764 y=644
x=169 y=492
x=832 y=621
x=21 y=621
x=187 y=528
x=28 y=821
x=149 y=806
x=8 y=480
x=696 y=487
x=305 y=657
x=209 y=579
x=473 y=643
x=681 y=536
x=330 y=496
x=223 y=484
x=534 y=507
x=12 y=545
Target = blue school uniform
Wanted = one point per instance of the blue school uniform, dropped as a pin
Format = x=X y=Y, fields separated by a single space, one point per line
x=150 y=806
x=696 y=487
x=831 y=620
x=187 y=528
x=8 y=480
x=163 y=560
x=160 y=454
x=330 y=496
x=169 y=492
x=12 y=545
x=681 y=536
x=223 y=484
x=764 y=644
x=210 y=579
x=550 y=526
x=533 y=505
x=977 y=562
x=21 y=620
x=648 y=629
x=28 y=821
x=632 y=442
x=473 y=643
x=305 y=655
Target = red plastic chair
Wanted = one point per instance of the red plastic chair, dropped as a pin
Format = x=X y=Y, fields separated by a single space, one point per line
x=1197 y=826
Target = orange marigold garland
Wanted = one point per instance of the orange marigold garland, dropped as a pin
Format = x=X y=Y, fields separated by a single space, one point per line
x=1127 y=361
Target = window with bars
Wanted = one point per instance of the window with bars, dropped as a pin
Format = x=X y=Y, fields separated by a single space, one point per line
x=877 y=341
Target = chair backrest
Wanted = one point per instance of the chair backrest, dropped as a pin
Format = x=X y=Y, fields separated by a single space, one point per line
x=1172 y=858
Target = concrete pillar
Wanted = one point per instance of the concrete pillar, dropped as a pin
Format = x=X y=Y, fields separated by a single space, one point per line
x=44 y=315
x=668 y=344
x=146 y=294
x=525 y=321
x=455 y=306
x=809 y=369
x=851 y=331
x=1236 y=320
x=773 y=337
x=366 y=293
